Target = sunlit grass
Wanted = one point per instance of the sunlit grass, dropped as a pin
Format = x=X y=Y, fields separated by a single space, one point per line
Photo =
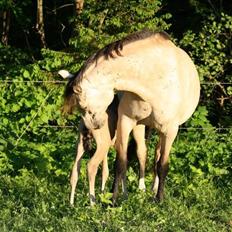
x=32 y=204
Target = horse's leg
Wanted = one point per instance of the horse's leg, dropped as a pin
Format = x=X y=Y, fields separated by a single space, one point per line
x=157 y=157
x=124 y=127
x=105 y=172
x=103 y=141
x=76 y=166
x=139 y=136
x=162 y=165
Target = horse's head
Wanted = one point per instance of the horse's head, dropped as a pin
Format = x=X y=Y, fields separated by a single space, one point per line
x=94 y=102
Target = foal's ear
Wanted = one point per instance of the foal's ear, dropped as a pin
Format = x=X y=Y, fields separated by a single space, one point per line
x=65 y=74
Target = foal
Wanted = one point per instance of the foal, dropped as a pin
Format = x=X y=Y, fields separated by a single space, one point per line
x=105 y=138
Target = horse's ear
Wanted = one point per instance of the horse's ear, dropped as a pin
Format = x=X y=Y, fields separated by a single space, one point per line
x=65 y=74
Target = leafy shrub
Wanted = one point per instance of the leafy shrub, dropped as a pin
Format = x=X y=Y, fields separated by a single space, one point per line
x=211 y=50
x=101 y=24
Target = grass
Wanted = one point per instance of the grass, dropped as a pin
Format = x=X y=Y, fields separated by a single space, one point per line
x=29 y=203
x=198 y=194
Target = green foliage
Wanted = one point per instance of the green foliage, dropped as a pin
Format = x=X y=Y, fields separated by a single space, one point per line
x=29 y=100
x=202 y=157
x=11 y=59
x=211 y=50
x=199 y=119
x=53 y=60
x=36 y=153
x=101 y=24
x=211 y=47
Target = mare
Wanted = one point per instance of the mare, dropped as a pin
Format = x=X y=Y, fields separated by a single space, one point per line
x=163 y=92
x=104 y=138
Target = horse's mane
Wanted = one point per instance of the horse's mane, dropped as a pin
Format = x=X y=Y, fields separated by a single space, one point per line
x=117 y=46
x=107 y=52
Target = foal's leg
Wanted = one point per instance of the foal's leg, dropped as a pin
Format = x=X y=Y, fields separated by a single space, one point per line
x=76 y=166
x=162 y=165
x=103 y=142
x=105 y=172
x=139 y=136
x=124 y=128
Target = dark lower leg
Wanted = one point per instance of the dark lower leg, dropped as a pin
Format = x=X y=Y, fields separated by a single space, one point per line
x=120 y=173
x=162 y=171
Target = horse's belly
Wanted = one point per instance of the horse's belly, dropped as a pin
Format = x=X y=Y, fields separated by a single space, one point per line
x=134 y=107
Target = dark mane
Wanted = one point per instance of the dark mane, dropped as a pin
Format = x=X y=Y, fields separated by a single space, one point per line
x=116 y=47
x=70 y=98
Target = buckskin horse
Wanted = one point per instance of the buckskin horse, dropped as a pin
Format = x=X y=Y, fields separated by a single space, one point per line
x=160 y=76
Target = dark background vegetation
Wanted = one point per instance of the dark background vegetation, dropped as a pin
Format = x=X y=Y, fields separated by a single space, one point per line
x=37 y=144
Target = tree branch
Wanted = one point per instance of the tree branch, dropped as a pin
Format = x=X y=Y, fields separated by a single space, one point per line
x=40 y=23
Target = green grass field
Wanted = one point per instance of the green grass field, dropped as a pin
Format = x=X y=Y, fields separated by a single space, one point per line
x=29 y=203
x=34 y=187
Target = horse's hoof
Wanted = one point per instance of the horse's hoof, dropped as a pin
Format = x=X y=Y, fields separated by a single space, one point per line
x=92 y=200
x=158 y=199
x=142 y=190
x=71 y=204
x=142 y=186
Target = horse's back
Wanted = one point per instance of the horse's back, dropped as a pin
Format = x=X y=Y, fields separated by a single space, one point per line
x=178 y=75
x=190 y=86
x=169 y=76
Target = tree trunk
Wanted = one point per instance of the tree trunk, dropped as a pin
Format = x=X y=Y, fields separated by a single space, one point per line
x=5 y=26
x=79 y=6
x=40 y=23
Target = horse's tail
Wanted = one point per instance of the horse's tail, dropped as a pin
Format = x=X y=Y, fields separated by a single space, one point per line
x=70 y=99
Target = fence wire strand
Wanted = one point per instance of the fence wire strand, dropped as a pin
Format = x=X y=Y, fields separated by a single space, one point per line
x=33 y=117
x=64 y=82
x=180 y=128
x=15 y=81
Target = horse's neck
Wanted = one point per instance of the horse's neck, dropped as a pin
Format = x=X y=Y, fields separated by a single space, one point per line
x=118 y=75
x=131 y=85
x=132 y=70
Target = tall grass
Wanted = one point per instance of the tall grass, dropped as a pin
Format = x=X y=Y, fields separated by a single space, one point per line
x=29 y=203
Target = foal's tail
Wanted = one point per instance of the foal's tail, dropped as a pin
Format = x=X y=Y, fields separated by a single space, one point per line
x=70 y=99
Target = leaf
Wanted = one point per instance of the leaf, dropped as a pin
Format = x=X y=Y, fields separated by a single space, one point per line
x=22 y=120
x=106 y=198
x=5 y=121
x=44 y=118
x=15 y=108
x=26 y=74
x=60 y=172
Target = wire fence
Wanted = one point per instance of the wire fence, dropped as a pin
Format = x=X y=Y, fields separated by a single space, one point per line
x=65 y=82
x=16 y=81
x=76 y=127
x=180 y=128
